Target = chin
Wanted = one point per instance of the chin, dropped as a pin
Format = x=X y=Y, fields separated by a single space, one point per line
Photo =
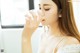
x=44 y=24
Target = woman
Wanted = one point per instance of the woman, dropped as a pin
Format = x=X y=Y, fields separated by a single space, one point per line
x=57 y=15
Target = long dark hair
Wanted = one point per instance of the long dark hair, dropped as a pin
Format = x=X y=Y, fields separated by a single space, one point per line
x=66 y=22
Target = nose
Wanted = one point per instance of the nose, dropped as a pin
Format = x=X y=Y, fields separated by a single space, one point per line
x=42 y=13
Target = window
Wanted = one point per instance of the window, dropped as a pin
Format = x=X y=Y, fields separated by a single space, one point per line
x=76 y=8
x=13 y=11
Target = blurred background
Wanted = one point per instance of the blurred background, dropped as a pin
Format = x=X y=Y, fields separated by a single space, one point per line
x=12 y=21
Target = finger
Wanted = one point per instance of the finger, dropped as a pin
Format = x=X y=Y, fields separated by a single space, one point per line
x=29 y=15
x=27 y=21
x=34 y=15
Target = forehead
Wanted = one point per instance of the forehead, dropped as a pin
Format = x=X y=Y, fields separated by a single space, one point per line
x=46 y=2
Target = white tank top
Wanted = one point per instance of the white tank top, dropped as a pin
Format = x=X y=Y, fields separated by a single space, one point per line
x=48 y=43
x=48 y=46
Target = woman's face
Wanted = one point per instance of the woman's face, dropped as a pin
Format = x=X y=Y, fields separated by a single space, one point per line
x=49 y=10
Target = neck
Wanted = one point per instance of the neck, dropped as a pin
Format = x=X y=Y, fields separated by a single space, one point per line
x=54 y=29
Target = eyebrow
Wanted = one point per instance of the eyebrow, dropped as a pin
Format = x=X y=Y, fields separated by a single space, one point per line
x=45 y=5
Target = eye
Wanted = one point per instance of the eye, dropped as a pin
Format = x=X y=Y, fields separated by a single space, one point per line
x=47 y=9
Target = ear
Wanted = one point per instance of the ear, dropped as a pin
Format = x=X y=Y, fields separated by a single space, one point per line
x=60 y=13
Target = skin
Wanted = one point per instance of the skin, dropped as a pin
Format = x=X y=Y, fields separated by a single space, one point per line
x=50 y=14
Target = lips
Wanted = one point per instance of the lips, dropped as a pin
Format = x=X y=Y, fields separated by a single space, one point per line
x=43 y=20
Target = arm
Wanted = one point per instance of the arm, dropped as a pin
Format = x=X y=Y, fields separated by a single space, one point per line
x=26 y=45
x=29 y=28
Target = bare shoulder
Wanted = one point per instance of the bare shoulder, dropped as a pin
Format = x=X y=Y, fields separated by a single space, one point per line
x=72 y=45
x=72 y=40
x=68 y=40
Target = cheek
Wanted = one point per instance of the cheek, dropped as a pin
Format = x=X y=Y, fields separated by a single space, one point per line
x=52 y=16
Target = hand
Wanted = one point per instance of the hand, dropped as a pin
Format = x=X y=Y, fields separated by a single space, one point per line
x=32 y=23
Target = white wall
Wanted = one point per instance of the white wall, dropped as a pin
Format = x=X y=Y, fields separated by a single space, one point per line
x=12 y=40
x=76 y=7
